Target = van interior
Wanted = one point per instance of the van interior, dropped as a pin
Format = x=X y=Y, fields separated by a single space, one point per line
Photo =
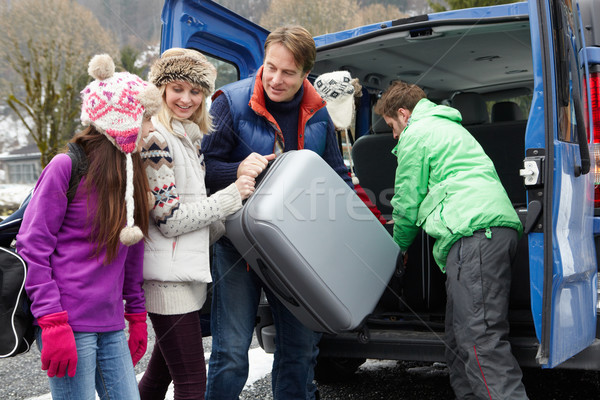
x=482 y=66
x=485 y=71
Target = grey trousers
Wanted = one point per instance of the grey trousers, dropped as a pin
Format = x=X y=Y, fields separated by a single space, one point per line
x=478 y=353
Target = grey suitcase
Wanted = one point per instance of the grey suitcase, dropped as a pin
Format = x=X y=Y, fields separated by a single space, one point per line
x=314 y=243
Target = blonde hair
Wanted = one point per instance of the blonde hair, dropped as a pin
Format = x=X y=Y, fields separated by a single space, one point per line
x=200 y=117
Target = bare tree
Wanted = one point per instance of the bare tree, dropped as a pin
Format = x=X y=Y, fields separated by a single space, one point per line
x=133 y=23
x=439 y=5
x=379 y=12
x=325 y=16
x=46 y=46
x=249 y=9
x=317 y=16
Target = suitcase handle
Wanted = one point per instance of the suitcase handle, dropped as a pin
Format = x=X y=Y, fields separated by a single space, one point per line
x=275 y=286
x=260 y=176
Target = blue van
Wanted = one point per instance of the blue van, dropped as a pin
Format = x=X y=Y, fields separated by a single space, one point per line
x=526 y=79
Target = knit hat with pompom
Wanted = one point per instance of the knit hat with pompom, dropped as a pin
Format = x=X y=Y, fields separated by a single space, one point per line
x=115 y=104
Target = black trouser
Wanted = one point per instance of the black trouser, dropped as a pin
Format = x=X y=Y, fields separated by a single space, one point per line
x=478 y=353
x=178 y=355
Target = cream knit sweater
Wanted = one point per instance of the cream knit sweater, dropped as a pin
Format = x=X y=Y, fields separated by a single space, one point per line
x=176 y=256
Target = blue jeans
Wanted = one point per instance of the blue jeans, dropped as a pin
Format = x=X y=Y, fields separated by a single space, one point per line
x=236 y=294
x=103 y=364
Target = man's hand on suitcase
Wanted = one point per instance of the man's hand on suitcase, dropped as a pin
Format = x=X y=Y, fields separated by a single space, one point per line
x=254 y=164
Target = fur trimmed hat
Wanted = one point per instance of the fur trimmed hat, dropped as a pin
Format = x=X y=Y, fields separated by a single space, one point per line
x=115 y=104
x=338 y=89
x=186 y=65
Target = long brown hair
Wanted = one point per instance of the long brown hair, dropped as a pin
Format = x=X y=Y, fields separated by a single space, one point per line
x=106 y=176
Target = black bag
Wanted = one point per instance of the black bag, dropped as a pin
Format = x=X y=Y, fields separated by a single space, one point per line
x=16 y=328
x=16 y=320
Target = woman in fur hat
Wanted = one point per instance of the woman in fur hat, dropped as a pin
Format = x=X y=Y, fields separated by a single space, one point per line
x=85 y=255
x=176 y=259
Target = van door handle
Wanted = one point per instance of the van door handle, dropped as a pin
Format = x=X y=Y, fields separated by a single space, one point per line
x=534 y=210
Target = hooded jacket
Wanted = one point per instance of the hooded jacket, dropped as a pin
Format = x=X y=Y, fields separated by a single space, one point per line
x=445 y=183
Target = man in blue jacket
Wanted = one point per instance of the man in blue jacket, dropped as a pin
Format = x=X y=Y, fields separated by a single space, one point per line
x=256 y=119
x=446 y=184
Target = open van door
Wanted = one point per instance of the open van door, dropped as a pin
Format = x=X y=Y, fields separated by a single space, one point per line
x=215 y=31
x=562 y=255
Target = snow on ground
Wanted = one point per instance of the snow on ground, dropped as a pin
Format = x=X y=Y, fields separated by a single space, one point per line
x=372 y=365
x=11 y=194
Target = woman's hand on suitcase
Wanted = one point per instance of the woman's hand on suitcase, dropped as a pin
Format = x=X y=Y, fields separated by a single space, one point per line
x=254 y=164
x=245 y=185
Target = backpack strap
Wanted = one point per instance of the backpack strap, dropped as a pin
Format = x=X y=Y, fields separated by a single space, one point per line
x=78 y=168
x=9 y=227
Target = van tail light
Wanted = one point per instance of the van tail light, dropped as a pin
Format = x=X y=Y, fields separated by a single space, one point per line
x=595 y=146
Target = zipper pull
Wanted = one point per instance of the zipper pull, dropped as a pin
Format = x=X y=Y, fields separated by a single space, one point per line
x=488 y=233
x=458 y=274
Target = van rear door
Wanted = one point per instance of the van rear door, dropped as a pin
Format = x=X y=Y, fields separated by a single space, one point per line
x=215 y=31
x=561 y=247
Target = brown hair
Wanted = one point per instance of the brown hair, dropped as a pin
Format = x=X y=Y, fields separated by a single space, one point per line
x=398 y=95
x=106 y=176
x=298 y=41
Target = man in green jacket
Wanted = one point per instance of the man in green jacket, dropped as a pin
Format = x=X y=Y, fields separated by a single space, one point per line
x=447 y=185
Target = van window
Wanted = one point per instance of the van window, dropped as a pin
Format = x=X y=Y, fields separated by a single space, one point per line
x=522 y=104
x=226 y=72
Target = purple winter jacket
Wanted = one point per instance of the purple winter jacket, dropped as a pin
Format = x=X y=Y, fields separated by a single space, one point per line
x=63 y=273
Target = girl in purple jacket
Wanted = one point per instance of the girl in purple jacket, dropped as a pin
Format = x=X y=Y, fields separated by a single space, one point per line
x=85 y=256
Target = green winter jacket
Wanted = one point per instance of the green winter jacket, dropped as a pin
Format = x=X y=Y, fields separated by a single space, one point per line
x=445 y=183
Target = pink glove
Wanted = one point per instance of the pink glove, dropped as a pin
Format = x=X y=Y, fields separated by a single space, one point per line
x=59 y=352
x=138 y=335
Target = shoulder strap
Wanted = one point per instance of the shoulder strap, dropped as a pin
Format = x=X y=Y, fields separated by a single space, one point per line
x=9 y=227
x=78 y=168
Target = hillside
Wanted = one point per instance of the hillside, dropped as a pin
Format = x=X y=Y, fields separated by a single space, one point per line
x=134 y=23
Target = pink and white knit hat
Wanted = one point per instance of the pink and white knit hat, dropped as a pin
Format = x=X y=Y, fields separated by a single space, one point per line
x=115 y=104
